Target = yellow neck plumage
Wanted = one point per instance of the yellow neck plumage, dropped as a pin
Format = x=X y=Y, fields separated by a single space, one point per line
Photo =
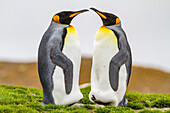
x=104 y=33
x=71 y=34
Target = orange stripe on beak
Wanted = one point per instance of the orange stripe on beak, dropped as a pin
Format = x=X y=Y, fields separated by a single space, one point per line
x=101 y=15
x=74 y=14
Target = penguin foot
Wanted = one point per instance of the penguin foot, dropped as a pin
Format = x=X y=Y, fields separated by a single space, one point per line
x=126 y=102
x=99 y=102
x=123 y=103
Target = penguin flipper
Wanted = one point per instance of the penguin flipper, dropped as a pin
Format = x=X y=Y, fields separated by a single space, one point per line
x=116 y=62
x=123 y=44
x=129 y=64
x=58 y=58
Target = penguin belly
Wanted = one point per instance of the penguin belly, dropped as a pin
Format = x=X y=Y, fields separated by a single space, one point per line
x=72 y=50
x=105 y=48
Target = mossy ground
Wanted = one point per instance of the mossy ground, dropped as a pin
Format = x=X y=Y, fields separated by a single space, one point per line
x=21 y=99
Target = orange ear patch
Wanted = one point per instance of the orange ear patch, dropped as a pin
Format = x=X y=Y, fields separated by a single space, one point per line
x=74 y=14
x=56 y=18
x=100 y=14
x=117 y=20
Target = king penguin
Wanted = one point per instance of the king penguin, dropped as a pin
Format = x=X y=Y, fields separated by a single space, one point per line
x=59 y=58
x=111 y=68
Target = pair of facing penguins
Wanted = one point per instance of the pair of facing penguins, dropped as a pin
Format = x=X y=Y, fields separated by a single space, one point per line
x=59 y=59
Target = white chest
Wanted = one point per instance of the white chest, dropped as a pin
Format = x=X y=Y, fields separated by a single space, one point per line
x=71 y=50
x=105 y=48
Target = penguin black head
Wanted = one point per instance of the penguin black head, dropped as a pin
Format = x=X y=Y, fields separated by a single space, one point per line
x=65 y=17
x=107 y=18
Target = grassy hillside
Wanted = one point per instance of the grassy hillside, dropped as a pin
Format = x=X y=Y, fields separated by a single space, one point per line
x=145 y=80
x=27 y=100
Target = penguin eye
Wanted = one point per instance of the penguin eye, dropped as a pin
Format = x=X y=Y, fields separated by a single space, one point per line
x=56 y=18
x=117 y=20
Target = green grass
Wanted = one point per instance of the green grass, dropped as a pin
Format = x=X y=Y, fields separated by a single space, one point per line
x=20 y=99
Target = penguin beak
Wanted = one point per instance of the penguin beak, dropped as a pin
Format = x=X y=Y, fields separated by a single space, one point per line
x=77 y=12
x=99 y=13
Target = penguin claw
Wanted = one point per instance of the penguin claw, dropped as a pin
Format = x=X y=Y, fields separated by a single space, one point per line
x=42 y=104
x=93 y=98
